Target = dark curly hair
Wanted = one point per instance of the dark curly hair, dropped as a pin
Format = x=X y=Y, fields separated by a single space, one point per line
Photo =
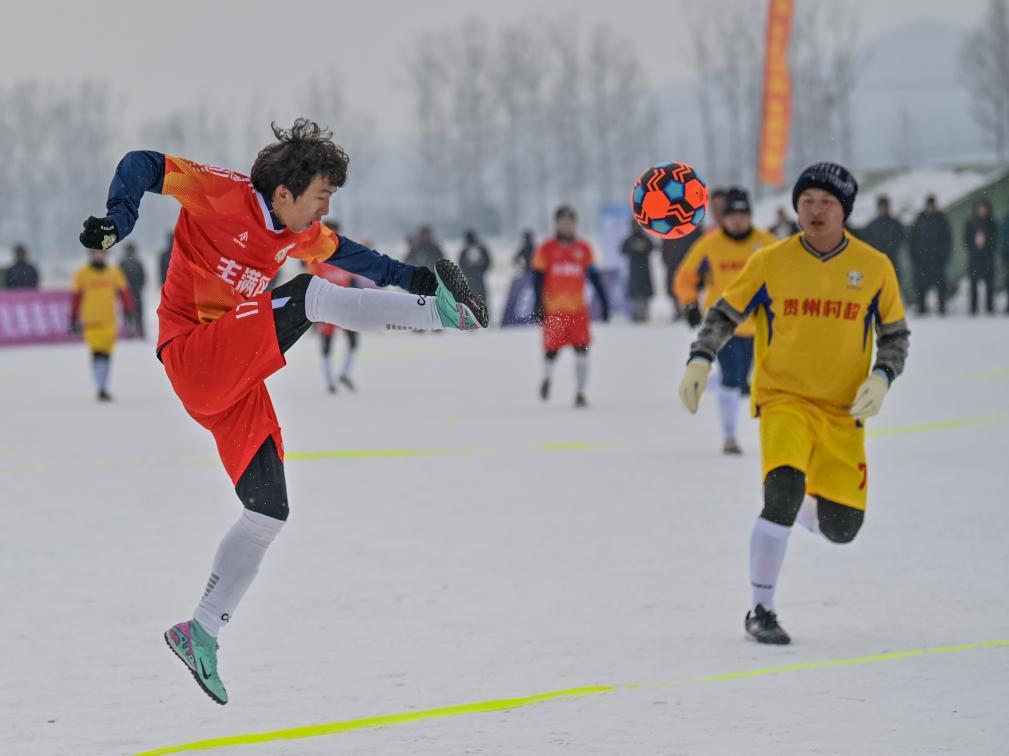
x=302 y=152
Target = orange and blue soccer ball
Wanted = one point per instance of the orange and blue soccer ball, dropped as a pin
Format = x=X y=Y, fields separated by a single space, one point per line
x=669 y=200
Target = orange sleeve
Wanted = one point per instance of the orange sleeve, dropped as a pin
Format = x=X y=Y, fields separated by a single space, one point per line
x=204 y=189
x=321 y=245
x=539 y=261
x=688 y=274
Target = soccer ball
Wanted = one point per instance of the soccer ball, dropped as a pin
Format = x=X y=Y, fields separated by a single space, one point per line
x=669 y=200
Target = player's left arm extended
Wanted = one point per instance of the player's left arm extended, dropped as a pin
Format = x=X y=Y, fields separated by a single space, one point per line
x=356 y=258
x=597 y=283
x=138 y=172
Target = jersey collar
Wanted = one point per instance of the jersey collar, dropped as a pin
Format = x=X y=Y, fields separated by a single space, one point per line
x=830 y=255
x=270 y=219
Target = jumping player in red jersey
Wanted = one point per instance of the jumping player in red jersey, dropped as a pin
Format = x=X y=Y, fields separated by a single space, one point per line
x=222 y=333
x=560 y=266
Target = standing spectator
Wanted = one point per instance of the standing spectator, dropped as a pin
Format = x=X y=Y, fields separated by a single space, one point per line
x=133 y=269
x=525 y=253
x=426 y=252
x=22 y=274
x=1004 y=254
x=979 y=236
x=474 y=260
x=885 y=232
x=673 y=252
x=637 y=248
x=931 y=246
x=783 y=225
x=166 y=257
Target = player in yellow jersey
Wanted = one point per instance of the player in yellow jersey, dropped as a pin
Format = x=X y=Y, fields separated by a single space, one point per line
x=817 y=297
x=713 y=263
x=93 y=313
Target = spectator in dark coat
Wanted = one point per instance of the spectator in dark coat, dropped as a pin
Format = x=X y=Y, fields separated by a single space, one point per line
x=931 y=247
x=1004 y=254
x=885 y=232
x=673 y=252
x=133 y=269
x=783 y=225
x=22 y=274
x=525 y=253
x=980 y=235
x=474 y=260
x=165 y=258
x=637 y=248
x=426 y=252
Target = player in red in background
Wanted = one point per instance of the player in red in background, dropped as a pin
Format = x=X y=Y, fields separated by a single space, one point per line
x=560 y=266
x=327 y=331
x=222 y=333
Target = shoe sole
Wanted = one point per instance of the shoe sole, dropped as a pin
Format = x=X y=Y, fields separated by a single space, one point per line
x=755 y=639
x=192 y=671
x=452 y=278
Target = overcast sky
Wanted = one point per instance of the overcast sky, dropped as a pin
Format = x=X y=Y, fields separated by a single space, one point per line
x=184 y=52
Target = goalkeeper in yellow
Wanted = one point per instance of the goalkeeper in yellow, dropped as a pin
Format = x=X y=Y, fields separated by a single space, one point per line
x=818 y=298
x=93 y=312
x=714 y=262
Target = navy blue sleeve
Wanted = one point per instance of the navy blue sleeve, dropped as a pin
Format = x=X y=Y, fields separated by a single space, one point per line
x=138 y=172
x=364 y=261
x=597 y=284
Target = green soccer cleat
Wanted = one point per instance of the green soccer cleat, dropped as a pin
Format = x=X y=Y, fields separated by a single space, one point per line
x=198 y=651
x=457 y=305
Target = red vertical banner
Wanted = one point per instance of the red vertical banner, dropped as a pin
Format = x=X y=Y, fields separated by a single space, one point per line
x=777 y=103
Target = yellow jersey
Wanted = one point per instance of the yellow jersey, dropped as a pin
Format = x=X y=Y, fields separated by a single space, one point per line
x=98 y=289
x=713 y=263
x=815 y=319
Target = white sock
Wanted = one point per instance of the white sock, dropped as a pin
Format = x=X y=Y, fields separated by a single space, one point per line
x=809 y=516
x=348 y=362
x=728 y=408
x=548 y=368
x=369 y=310
x=100 y=371
x=235 y=566
x=581 y=370
x=327 y=370
x=768 y=543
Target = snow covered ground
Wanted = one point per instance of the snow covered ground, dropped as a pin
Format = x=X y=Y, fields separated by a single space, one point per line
x=453 y=540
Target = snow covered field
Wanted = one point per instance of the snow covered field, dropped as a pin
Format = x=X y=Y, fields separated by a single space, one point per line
x=453 y=541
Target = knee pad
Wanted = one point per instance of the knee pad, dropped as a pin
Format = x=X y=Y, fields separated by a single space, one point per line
x=296 y=288
x=838 y=523
x=263 y=487
x=784 y=489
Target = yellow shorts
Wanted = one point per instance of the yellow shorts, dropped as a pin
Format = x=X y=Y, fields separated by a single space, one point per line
x=829 y=450
x=101 y=338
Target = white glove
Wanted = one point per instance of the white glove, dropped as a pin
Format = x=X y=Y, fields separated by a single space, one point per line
x=695 y=380
x=869 y=399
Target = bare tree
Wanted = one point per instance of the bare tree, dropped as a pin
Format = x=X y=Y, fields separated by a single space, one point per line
x=984 y=69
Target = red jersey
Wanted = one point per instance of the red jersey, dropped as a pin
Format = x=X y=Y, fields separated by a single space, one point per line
x=564 y=265
x=227 y=248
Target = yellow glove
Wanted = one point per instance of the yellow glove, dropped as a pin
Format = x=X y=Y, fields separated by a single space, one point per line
x=695 y=380
x=869 y=399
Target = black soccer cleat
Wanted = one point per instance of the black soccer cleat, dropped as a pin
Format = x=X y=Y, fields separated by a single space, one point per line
x=458 y=306
x=762 y=626
x=345 y=380
x=580 y=401
x=545 y=389
x=104 y=396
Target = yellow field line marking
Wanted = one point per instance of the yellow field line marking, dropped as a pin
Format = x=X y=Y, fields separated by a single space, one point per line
x=507 y=704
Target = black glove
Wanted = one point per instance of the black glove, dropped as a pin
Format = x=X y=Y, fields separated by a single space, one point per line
x=99 y=233
x=693 y=315
x=423 y=282
x=605 y=310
